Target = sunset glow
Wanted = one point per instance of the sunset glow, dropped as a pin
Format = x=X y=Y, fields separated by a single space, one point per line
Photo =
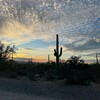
x=32 y=26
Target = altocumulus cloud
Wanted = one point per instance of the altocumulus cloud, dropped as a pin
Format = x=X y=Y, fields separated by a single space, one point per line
x=76 y=21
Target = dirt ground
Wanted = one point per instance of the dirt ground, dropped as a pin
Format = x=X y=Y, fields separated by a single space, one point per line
x=13 y=89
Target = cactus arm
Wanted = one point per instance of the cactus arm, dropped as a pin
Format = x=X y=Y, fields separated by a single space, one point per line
x=60 y=52
x=55 y=52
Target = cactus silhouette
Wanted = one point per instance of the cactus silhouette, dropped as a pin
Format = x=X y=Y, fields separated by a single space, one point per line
x=48 y=58
x=56 y=51
x=97 y=61
x=97 y=58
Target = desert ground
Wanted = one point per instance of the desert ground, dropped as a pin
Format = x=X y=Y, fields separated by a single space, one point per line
x=24 y=89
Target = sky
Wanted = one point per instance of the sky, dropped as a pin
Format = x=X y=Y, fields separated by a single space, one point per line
x=32 y=25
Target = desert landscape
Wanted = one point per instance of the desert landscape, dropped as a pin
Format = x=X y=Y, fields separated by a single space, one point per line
x=49 y=49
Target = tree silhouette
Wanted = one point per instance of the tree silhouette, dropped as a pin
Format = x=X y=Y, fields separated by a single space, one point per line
x=6 y=51
x=12 y=51
x=75 y=61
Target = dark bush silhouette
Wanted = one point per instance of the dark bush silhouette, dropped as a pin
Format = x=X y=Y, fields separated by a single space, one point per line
x=79 y=72
x=75 y=61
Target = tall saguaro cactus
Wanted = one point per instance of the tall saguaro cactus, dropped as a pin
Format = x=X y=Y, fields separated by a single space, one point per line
x=57 y=54
x=97 y=58
x=48 y=58
x=97 y=61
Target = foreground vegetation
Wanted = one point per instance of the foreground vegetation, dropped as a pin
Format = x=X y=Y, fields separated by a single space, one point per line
x=74 y=74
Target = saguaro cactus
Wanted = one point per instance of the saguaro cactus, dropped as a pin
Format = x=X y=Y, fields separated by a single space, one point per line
x=97 y=61
x=97 y=58
x=48 y=58
x=56 y=51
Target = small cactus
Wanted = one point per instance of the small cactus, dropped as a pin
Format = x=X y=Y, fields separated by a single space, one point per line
x=97 y=61
x=48 y=58
x=56 y=51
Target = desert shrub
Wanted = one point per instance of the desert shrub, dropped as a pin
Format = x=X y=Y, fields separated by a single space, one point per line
x=31 y=71
x=2 y=65
x=95 y=70
x=79 y=75
x=20 y=69
x=50 y=75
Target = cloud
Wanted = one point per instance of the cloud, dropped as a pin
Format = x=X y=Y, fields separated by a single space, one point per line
x=88 y=45
x=2 y=21
x=30 y=48
x=76 y=21
x=88 y=41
